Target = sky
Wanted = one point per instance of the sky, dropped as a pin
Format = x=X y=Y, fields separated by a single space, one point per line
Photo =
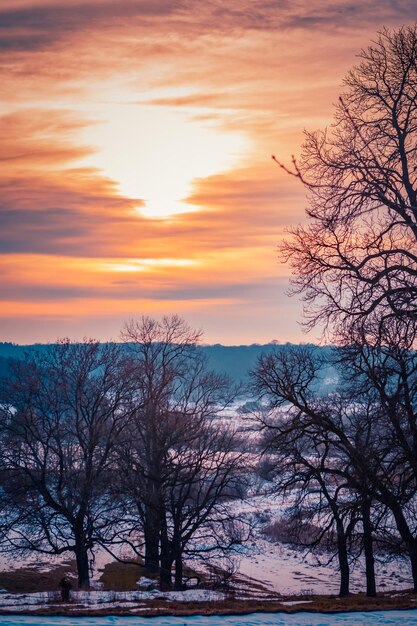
x=136 y=173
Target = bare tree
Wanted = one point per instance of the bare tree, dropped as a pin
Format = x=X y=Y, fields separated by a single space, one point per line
x=174 y=472
x=356 y=260
x=386 y=372
x=207 y=474
x=355 y=265
x=160 y=354
x=61 y=415
x=320 y=497
x=330 y=449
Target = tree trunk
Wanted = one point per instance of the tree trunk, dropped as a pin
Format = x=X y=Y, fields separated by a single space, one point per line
x=368 y=549
x=178 y=573
x=165 y=575
x=406 y=536
x=151 y=534
x=343 y=560
x=81 y=556
x=413 y=559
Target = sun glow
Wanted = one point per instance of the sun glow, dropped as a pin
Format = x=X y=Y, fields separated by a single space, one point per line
x=143 y=265
x=155 y=153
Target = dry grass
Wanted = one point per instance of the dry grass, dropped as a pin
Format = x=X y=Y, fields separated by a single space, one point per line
x=288 y=531
x=359 y=602
x=123 y=576
x=32 y=579
x=321 y=604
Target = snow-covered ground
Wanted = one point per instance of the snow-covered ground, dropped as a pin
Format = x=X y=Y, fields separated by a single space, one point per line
x=386 y=618
x=104 y=600
x=280 y=568
x=286 y=570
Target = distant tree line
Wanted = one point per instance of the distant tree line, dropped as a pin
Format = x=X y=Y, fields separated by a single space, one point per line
x=111 y=444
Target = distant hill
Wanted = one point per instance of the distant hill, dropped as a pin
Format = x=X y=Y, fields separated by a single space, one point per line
x=236 y=361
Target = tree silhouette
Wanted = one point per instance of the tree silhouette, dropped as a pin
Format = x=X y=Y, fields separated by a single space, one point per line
x=61 y=414
x=355 y=263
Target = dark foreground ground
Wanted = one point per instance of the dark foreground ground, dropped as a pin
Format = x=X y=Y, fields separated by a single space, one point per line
x=34 y=591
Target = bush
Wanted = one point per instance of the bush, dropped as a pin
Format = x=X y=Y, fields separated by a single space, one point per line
x=290 y=531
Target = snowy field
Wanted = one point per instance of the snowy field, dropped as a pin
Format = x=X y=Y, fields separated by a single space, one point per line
x=264 y=569
x=288 y=571
x=397 y=618
x=279 y=568
x=86 y=601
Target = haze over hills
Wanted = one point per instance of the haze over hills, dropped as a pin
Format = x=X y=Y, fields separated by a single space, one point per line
x=236 y=361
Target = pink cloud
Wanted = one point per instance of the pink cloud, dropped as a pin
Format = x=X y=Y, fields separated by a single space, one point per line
x=263 y=69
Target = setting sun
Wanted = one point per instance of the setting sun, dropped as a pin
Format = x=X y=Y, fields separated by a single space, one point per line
x=155 y=153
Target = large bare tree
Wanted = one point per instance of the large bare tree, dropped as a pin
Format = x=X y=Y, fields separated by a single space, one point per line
x=177 y=464
x=62 y=411
x=355 y=262
x=355 y=265
x=359 y=439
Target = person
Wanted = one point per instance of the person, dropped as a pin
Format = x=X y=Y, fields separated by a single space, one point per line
x=66 y=586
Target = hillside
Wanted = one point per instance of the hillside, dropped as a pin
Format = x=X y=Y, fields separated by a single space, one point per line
x=236 y=361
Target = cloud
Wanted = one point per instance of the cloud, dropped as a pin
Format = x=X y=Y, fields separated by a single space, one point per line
x=68 y=236
x=35 y=25
x=245 y=207
x=48 y=206
x=242 y=319
x=39 y=25
x=245 y=291
x=45 y=204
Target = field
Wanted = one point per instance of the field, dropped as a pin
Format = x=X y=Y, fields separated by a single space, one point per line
x=269 y=574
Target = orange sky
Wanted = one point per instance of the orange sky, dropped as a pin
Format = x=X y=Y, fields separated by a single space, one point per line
x=136 y=175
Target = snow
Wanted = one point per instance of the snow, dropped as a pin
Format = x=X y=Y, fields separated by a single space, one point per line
x=280 y=568
x=145 y=582
x=389 y=618
x=94 y=599
x=294 y=602
x=288 y=571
